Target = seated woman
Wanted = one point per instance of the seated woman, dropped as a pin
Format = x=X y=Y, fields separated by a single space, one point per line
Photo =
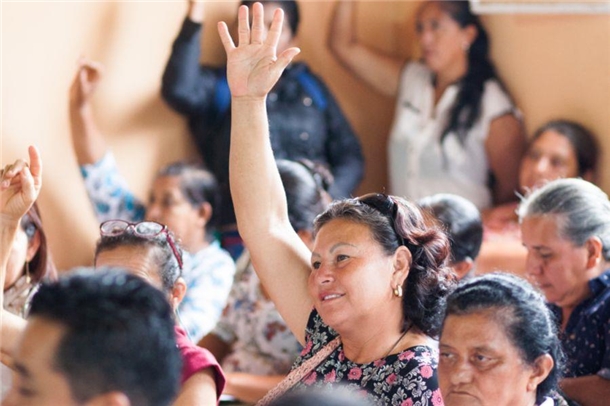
x=565 y=227
x=498 y=345
x=183 y=196
x=558 y=149
x=455 y=128
x=147 y=249
x=376 y=278
x=29 y=262
x=461 y=221
x=252 y=342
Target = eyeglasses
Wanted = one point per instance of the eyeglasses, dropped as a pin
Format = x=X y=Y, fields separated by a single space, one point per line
x=385 y=205
x=145 y=229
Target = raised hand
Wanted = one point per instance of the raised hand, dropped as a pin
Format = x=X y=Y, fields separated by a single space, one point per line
x=253 y=67
x=85 y=82
x=20 y=185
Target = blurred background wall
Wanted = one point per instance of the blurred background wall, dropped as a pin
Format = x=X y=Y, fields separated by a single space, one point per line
x=553 y=65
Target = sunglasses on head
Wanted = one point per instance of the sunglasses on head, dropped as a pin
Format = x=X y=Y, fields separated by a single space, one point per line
x=145 y=229
x=385 y=205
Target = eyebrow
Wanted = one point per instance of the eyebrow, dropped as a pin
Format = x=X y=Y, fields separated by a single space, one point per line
x=21 y=369
x=334 y=247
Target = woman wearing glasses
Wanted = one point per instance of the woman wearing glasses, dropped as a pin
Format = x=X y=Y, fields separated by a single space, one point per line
x=376 y=278
x=183 y=197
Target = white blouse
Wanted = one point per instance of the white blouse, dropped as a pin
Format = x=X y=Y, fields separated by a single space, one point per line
x=419 y=164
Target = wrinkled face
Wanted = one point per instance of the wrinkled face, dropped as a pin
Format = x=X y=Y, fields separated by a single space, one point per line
x=36 y=382
x=168 y=205
x=350 y=280
x=555 y=264
x=138 y=261
x=479 y=365
x=550 y=157
x=441 y=38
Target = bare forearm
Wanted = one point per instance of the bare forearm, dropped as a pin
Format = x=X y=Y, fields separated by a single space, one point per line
x=196 y=11
x=8 y=230
x=250 y=388
x=590 y=390
x=87 y=140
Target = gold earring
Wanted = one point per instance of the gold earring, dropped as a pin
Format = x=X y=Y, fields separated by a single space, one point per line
x=28 y=280
x=398 y=291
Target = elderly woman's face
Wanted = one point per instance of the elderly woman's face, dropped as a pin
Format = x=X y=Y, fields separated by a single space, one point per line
x=479 y=365
x=554 y=263
x=550 y=157
x=350 y=280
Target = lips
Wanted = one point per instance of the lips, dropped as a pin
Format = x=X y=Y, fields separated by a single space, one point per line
x=327 y=296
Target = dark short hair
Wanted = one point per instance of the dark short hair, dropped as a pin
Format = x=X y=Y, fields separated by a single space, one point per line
x=582 y=140
x=461 y=220
x=429 y=280
x=291 y=11
x=305 y=185
x=119 y=336
x=41 y=266
x=521 y=311
x=197 y=184
x=163 y=255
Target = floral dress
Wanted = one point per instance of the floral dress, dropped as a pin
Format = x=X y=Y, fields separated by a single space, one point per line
x=407 y=378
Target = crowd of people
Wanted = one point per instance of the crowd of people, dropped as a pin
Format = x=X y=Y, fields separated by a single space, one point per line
x=255 y=276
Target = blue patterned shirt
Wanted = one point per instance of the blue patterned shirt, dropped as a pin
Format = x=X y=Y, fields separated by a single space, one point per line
x=208 y=273
x=586 y=339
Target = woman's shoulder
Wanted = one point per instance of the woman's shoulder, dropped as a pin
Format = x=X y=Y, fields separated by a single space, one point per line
x=496 y=101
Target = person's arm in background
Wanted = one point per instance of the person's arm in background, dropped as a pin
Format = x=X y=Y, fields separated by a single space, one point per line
x=19 y=188
x=590 y=390
x=107 y=189
x=505 y=145
x=344 y=152
x=187 y=87
x=380 y=71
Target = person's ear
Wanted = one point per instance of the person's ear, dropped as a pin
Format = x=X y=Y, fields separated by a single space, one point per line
x=205 y=212
x=540 y=370
x=109 y=399
x=463 y=267
x=33 y=245
x=177 y=293
x=402 y=265
x=594 y=252
x=470 y=34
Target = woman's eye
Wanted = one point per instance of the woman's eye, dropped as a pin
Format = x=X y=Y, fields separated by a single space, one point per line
x=481 y=359
x=315 y=265
x=341 y=257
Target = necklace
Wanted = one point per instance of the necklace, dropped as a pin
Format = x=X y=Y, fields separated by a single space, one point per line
x=374 y=372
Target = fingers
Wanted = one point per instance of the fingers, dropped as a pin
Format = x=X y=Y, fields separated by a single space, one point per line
x=276 y=29
x=225 y=37
x=35 y=165
x=258 y=24
x=243 y=29
x=285 y=58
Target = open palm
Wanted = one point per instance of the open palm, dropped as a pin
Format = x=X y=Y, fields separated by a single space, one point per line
x=253 y=67
x=20 y=186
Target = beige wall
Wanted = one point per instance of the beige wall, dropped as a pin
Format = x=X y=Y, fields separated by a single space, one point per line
x=554 y=66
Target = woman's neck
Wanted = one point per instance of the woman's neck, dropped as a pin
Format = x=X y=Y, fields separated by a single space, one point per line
x=448 y=76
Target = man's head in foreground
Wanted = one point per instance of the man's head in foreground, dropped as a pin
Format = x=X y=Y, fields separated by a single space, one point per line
x=103 y=338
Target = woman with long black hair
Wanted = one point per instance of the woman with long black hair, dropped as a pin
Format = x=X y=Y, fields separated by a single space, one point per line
x=456 y=129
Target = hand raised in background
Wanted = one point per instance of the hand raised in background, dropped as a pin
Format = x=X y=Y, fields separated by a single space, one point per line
x=20 y=185
x=253 y=67
x=85 y=82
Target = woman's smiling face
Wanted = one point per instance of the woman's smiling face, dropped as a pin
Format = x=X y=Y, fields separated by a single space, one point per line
x=351 y=277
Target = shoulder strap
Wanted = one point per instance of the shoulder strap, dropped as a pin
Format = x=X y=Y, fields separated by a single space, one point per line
x=222 y=94
x=313 y=88
x=299 y=373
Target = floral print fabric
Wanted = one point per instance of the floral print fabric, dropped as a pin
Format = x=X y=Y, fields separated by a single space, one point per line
x=408 y=378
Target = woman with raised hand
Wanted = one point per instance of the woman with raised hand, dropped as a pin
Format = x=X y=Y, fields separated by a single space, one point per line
x=376 y=277
x=455 y=128
x=565 y=227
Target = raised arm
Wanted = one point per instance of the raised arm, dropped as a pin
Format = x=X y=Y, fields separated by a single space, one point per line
x=279 y=256
x=87 y=140
x=380 y=71
x=20 y=185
